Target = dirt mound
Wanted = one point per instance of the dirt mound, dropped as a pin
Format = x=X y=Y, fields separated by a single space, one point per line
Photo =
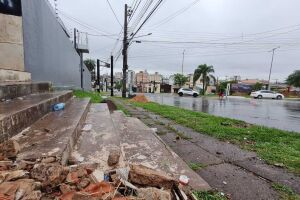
x=139 y=99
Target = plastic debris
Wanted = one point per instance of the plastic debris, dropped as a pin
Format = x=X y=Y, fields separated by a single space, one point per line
x=183 y=179
x=59 y=106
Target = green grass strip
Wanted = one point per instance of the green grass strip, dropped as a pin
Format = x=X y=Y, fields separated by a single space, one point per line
x=95 y=96
x=273 y=145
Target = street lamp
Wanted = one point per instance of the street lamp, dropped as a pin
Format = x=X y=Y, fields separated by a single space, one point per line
x=273 y=51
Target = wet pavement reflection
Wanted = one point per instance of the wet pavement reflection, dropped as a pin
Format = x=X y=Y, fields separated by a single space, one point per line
x=282 y=114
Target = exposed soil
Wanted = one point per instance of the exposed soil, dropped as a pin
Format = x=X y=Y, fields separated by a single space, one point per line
x=111 y=106
x=239 y=174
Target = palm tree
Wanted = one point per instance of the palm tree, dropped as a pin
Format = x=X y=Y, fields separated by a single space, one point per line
x=204 y=72
x=294 y=79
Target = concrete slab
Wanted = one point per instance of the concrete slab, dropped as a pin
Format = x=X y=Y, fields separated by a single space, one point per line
x=98 y=138
x=142 y=146
x=11 y=90
x=272 y=173
x=7 y=75
x=55 y=134
x=17 y=114
x=221 y=149
x=228 y=178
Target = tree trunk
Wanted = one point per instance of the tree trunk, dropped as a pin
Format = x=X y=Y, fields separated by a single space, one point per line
x=204 y=80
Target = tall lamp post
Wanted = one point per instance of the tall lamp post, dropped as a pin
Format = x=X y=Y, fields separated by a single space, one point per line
x=273 y=52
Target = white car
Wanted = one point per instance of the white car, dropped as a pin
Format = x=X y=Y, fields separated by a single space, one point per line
x=186 y=91
x=266 y=94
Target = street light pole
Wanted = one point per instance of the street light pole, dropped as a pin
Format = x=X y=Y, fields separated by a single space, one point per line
x=182 y=61
x=98 y=76
x=273 y=52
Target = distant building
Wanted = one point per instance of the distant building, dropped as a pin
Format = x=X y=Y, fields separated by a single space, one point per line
x=142 y=78
x=253 y=81
x=156 y=77
x=118 y=76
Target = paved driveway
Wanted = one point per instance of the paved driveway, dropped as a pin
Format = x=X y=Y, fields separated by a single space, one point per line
x=281 y=114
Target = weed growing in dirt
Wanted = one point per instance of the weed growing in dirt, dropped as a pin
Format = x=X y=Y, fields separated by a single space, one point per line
x=196 y=166
x=210 y=195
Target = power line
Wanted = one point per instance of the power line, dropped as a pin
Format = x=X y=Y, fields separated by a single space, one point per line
x=84 y=24
x=147 y=18
x=114 y=13
x=175 y=14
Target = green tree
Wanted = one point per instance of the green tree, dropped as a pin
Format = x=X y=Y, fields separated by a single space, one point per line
x=294 y=79
x=90 y=64
x=204 y=72
x=180 y=79
x=118 y=85
x=257 y=86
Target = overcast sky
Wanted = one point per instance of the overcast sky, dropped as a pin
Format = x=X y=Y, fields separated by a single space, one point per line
x=235 y=36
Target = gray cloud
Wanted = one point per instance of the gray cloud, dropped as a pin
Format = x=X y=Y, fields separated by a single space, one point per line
x=221 y=22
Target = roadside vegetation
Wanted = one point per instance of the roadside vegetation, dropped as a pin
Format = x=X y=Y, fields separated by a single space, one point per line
x=196 y=166
x=278 y=147
x=285 y=192
x=210 y=195
x=95 y=96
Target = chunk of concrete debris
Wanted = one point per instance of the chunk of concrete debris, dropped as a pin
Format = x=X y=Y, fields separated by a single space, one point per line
x=113 y=158
x=9 y=149
x=65 y=188
x=49 y=160
x=5 y=165
x=145 y=176
x=153 y=194
x=75 y=174
x=21 y=189
x=12 y=175
x=35 y=195
x=49 y=174
x=24 y=165
x=72 y=177
x=83 y=183
x=8 y=190
x=97 y=176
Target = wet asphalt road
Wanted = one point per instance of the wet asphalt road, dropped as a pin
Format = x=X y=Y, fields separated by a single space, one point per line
x=281 y=114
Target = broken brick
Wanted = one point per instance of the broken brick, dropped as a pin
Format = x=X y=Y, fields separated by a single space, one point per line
x=9 y=149
x=145 y=176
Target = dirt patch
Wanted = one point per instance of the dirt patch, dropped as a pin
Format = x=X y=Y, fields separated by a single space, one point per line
x=111 y=106
x=139 y=99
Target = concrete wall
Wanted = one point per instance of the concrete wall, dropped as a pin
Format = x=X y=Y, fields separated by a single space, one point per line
x=49 y=54
x=11 y=43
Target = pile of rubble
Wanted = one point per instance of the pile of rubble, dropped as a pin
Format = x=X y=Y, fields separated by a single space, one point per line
x=139 y=98
x=46 y=178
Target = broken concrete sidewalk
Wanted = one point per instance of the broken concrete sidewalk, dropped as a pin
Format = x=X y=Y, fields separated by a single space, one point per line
x=105 y=132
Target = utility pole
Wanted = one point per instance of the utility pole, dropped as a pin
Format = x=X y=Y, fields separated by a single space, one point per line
x=273 y=51
x=98 y=76
x=125 y=48
x=81 y=70
x=75 y=45
x=182 y=61
x=111 y=76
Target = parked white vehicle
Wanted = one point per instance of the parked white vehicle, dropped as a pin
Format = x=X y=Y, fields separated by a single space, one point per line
x=186 y=91
x=266 y=94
